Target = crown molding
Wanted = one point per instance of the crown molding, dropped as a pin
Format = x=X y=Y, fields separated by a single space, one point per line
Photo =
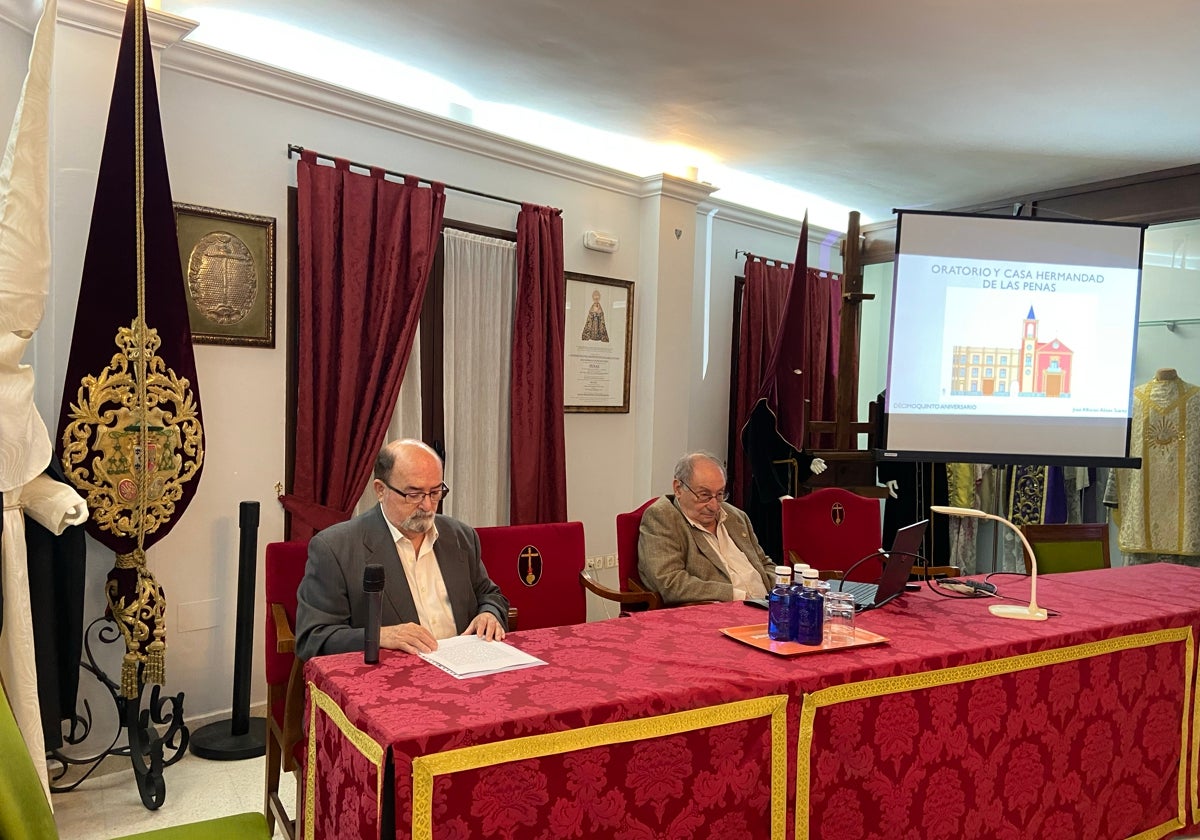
x=672 y=186
x=23 y=14
x=214 y=65
x=107 y=17
x=771 y=223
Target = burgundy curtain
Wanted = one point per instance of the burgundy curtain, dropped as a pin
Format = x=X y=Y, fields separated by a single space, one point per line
x=763 y=296
x=366 y=246
x=823 y=295
x=538 y=460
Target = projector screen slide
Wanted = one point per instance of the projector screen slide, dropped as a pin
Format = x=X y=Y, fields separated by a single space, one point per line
x=1012 y=339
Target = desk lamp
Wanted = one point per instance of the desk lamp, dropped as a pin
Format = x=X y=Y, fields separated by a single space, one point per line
x=1030 y=613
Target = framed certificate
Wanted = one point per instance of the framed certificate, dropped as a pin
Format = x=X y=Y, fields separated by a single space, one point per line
x=597 y=344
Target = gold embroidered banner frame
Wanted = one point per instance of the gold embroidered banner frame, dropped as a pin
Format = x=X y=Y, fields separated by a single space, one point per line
x=228 y=262
x=597 y=344
x=966 y=673
x=426 y=767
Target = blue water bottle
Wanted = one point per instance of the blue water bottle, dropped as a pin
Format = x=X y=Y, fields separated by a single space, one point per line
x=797 y=585
x=779 y=606
x=810 y=612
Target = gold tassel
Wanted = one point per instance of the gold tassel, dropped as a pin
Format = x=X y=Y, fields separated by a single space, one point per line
x=156 y=662
x=129 y=676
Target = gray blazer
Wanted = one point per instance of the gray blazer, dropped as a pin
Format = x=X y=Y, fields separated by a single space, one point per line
x=678 y=563
x=332 y=609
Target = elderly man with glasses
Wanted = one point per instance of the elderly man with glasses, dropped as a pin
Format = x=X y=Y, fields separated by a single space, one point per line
x=692 y=546
x=436 y=585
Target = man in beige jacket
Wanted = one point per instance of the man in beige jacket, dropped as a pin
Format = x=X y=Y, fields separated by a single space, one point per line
x=694 y=547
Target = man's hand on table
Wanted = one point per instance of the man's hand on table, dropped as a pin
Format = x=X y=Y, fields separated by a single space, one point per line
x=410 y=638
x=487 y=626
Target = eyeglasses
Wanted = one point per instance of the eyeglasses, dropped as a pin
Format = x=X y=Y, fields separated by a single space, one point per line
x=706 y=497
x=414 y=497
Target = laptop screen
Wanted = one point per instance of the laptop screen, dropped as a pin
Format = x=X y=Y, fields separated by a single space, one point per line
x=905 y=550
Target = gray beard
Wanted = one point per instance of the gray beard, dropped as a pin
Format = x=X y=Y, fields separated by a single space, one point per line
x=418 y=523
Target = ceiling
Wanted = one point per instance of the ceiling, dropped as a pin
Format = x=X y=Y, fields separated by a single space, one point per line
x=870 y=105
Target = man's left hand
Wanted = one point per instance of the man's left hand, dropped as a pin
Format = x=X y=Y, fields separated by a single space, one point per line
x=486 y=625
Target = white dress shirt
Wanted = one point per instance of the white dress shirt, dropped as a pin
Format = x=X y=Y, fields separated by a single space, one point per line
x=747 y=582
x=425 y=582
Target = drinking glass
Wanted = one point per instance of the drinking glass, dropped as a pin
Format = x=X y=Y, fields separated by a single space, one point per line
x=839 y=618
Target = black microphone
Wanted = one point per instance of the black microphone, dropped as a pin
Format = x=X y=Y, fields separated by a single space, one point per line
x=373 y=577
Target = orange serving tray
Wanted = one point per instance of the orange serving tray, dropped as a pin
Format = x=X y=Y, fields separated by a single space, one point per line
x=755 y=635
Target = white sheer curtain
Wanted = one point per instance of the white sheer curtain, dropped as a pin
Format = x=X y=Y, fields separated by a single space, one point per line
x=480 y=280
x=406 y=415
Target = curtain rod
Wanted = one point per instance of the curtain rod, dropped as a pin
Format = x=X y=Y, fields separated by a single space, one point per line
x=1170 y=324
x=294 y=150
x=740 y=251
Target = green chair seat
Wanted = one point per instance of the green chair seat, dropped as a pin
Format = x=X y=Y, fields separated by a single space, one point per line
x=240 y=827
x=25 y=813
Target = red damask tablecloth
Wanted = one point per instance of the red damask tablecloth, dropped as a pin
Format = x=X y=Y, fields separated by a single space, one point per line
x=657 y=726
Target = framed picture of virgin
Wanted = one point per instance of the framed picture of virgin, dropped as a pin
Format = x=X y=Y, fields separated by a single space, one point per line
x=228 y=261
x=598 y=344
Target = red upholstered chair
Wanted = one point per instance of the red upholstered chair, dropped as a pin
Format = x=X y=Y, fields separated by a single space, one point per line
x=831 y=529
x=633 y=593
x=537 y=568
x=285 y=684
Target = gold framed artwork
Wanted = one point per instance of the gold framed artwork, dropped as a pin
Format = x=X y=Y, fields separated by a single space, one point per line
x=597 y=344
x=228 y=262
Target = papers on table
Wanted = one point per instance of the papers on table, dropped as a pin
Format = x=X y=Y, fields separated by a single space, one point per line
x=471 y=656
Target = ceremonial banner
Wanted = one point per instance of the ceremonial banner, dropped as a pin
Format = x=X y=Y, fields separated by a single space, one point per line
x=773 y=435
x=131 y=438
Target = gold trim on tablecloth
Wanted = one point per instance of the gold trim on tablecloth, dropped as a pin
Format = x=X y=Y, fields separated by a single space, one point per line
x=993 y=668
x=425 y=767
x=1194 y=683
x=364 y=743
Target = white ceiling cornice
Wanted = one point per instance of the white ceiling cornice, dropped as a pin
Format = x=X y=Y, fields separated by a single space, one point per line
x=217 y=66
x=762 y=220
x=22 y=14
x=108 y=17
x=672 y=186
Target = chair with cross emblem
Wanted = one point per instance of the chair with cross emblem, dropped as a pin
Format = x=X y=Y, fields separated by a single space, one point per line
x=537 y=568
x=831 y=529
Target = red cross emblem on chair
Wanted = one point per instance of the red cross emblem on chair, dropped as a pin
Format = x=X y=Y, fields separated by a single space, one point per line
x=837 y=513
x=529 y=565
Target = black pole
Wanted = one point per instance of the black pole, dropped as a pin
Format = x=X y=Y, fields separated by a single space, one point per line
x=235 y=739
x=242 y=654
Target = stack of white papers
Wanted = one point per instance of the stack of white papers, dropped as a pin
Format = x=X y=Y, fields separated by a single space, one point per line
x=471 y=656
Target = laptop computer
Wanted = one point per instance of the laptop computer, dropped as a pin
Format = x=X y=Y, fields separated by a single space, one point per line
x=906 y=549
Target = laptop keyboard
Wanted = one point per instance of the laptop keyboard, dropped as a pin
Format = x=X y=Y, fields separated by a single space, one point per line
x=864 y=593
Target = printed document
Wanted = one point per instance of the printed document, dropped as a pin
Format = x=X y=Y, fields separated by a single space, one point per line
x=471 y=656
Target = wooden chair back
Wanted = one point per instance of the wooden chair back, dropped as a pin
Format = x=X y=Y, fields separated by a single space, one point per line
x=1069 y=548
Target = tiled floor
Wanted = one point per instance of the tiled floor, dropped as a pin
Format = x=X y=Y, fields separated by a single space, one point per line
x=108 y=806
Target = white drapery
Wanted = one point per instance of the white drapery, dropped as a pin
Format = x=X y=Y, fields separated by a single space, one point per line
x=480 y=280
x=406 y=415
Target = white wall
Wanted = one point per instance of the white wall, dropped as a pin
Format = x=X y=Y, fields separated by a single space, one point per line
x=226 y=126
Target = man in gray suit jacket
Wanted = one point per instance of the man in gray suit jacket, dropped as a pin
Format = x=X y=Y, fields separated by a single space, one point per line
x=430 y=593
x=692 y=546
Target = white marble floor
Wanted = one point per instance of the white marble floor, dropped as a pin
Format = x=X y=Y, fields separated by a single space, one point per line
x=108 y=806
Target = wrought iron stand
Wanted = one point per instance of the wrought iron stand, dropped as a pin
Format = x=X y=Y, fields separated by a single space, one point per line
x=148 y=750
